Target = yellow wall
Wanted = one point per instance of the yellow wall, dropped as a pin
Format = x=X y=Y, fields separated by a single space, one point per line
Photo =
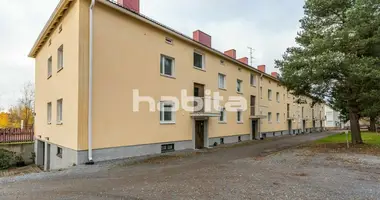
x=126 y=57
x=62 y=84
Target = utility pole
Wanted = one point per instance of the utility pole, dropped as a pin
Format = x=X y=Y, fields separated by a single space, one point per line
x=251 y=50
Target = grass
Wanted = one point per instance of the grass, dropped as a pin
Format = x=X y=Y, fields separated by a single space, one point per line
x=368 y=138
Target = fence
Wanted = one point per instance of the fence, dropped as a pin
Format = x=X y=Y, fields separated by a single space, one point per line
x=10 y=135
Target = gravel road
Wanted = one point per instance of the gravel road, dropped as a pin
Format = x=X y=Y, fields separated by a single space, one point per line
x=254 y=170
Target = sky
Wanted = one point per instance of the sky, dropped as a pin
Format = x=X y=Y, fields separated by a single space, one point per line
x=268 y=26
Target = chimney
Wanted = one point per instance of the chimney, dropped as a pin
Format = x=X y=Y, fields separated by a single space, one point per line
x=274 y=74
x=261 y=68
x=244 y=60
x=231 y=53
x=130 y=4
x=202 y=37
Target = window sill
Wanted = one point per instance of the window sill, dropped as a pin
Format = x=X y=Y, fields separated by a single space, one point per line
x=239 y=92
x=240 y=122
x=49 y=76
x=223 y=89
x=200 y=69
x=269 y=122
x=49 y=123
x=59 y=123
x=59 y=155
x=60 y=69
x=167 y=76
x=167 y=123
x=222 y=122
x=253 y=85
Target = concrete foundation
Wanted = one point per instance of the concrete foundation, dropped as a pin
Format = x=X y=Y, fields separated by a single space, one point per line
x=228 y=139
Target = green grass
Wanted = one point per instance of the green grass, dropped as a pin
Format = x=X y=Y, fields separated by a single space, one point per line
x=368 y=138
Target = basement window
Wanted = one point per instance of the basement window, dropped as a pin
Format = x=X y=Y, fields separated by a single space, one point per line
x=59 y=152
x=167 y=148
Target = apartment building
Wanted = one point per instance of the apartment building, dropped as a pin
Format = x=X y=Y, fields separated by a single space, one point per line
x=94 y=56
x=332 y=119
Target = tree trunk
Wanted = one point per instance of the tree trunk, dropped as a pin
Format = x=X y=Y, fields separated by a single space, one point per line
x=372 y=124
x=356 y=136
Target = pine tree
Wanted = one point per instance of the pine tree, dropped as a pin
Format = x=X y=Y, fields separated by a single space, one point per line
x=337 y=57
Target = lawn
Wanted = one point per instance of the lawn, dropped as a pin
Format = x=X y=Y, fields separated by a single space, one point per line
x=368 y=138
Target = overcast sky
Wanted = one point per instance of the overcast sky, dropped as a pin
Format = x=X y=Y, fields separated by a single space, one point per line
x=269 y=26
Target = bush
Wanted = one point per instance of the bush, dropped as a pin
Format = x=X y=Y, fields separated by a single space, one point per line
x=6 y=159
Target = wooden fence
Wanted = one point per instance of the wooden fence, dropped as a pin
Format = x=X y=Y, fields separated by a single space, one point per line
x=9 y=135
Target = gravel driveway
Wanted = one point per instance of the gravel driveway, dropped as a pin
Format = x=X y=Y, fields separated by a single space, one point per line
x=253 y=170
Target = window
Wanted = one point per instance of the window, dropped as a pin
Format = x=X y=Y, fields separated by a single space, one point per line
x=278 y=117
x=50 y=65
x=59 y=111
x=253 y=80
x=167 y=66
x=222 y=81
x=49 y=113
x=59 y=152
x=167 y=148
x=60 y=58
x=167 y=113
x=239 y=86
x=239 y=117
x=269 y=117
x=198 y=60
x=270 y=95
x=277 y=96
x=222 y=117
x=261 y=92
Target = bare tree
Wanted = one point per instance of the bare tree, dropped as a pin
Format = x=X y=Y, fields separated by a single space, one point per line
x=26 y=104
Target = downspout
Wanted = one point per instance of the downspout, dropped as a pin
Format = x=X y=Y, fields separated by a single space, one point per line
x=90 y=160
x=258 y=124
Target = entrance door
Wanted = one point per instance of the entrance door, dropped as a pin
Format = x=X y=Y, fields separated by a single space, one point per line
x=290 y=126
x=199 y=134
x=304 y=126
x=254 y=128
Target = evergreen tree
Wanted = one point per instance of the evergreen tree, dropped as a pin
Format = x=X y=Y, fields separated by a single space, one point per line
x=337 y=57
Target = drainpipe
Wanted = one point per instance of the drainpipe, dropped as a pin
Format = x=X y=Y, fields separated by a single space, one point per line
x=90 y=160
x=258 y=124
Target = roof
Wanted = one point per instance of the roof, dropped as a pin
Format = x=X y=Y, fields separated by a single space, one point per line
x=64 y=5
x=50 y=26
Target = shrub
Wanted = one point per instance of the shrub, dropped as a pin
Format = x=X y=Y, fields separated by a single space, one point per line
x=6 y=159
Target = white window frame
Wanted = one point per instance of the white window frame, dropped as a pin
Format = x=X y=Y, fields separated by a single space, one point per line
x=162 y=65
x=203 y=60
x=252 y=80
x=60 y=58
x=278 y=97
x=269 y=117
x=278 y=117
x=60 y=111
x=223 y=114
x=50 y=67
x=269 y=94
x=220 y=85
x=239 y=114
x=162 y=112
x=49 y=112
x=239 y=86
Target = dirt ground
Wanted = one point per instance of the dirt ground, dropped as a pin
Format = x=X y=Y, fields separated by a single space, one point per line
x=253 y=170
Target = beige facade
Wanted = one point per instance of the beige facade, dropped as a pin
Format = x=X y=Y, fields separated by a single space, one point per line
x=127 y=56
